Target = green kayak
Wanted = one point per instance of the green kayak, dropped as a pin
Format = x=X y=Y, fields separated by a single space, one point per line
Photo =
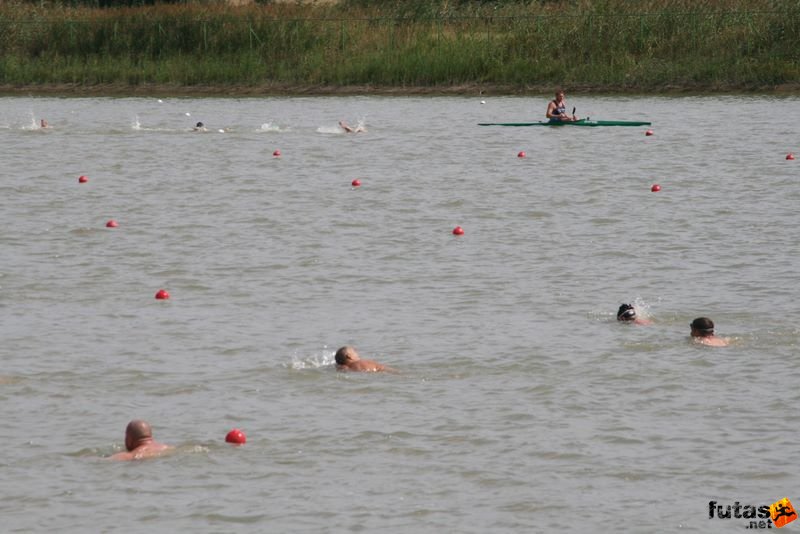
x=582 y=122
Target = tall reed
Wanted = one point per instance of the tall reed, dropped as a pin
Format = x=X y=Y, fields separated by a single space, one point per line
x=601 y=43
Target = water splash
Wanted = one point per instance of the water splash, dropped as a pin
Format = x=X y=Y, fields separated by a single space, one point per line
x=315 y=361
x=32 y=125
x=642 y=308
x=331 y=130
x=343 y=127
x=135 y=124
x=269 y=127
x=193 y=449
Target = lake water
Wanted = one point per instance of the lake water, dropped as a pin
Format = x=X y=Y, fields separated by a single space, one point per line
x=521 y=405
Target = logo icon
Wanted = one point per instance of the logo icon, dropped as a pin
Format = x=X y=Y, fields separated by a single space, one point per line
x=782 y=513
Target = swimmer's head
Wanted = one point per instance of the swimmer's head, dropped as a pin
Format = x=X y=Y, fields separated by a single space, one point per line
x=136 y=431
x=702 y=327
x=199 y=125
x=626 y=312
x=346 y=354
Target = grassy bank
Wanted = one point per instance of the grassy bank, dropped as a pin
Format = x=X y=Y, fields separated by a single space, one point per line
x=603 y=44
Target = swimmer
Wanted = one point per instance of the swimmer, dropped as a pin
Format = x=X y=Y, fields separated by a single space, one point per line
x=139 y=442
x=347 y=359
x=703 y=332
x=200 y=127
x=349 y=129
x=44 y=124
x=627 y=314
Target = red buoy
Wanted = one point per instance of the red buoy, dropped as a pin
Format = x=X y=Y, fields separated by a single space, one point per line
x=111 y=224
x=162 y=294
x=656 y=188
x=356 y=183
x=649 y=132
x=521 y=155
x=83 y=179
x=276 y=154
x=236 y=437
x=458 y=231
x=789 y=156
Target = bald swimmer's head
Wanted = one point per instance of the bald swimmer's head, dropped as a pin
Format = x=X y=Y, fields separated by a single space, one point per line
x=136 y=433
x=346 y=354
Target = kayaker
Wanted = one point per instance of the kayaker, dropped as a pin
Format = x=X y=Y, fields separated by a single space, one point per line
x=557 y=109
x=703 y=332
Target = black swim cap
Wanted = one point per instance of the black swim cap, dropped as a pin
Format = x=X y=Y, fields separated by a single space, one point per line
x=626 y=313
x=703 y=324
x=199 y=125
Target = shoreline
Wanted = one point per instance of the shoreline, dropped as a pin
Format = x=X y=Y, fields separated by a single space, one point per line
x=125 y=90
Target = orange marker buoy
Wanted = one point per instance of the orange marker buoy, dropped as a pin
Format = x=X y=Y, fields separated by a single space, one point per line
x=649 y=132
x=789 y=156
x=83 y=179
x=236 y=437
x=521 y=155
x=162 y=294
x=458 y=231
x=356 y=183
x=111 y=224
x=656 y=188
x=276 y=154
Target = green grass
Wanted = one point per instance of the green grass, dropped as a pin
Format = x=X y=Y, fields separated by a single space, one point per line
x=645 y=45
